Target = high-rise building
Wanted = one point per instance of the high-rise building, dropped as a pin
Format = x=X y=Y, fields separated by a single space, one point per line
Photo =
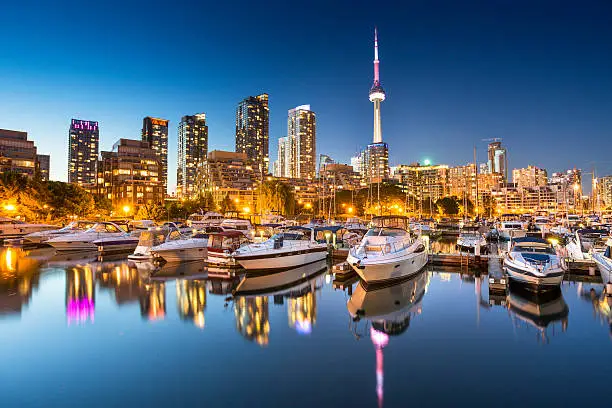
x=531 y=176
x=377 y=153
x=44 y=165
x=422 y=182
x=17 y=153
x=604 y=185
x=252 y=131
x=192 y=151
x=297 y=151
x=232 y=175
x=155 y=133
x=129 y=175
x=301 y=130
x=83 y=144
x=498 y=159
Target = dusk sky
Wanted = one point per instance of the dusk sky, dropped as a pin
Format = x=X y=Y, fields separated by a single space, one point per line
x=536 y=73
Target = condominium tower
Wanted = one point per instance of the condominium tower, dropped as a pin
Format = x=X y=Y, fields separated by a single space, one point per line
x=297 y=153
x=252 y=131
x=192 y=151
x=83 y=144
x=155 y=133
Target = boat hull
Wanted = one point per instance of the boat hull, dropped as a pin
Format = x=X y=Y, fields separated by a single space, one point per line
x=65 y=246
x=181 y=254
x=551 y=280
x=279 y=261
x=605 y=267
x=385 y=270
x=116 y=246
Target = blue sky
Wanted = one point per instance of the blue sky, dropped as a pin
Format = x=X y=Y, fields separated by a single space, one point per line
x=536 y=74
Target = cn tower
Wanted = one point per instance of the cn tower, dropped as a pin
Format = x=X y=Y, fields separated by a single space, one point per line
x=377 y=94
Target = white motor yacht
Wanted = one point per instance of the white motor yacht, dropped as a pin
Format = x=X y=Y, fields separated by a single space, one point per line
x=534 y=263
x=83 y=241
x=10 y=228
x=289 y=249
x=241 y=225
x=41 y=237
x=116 y=245
x=151 y=238
x=512 y=229
x=471 y=239
x=208 y=219
x=604 y=262
x=179 y=248
x=584 y=241
x=388 y=251
x=222 y=246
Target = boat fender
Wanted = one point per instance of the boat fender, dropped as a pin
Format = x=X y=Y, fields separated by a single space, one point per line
x=387 y=248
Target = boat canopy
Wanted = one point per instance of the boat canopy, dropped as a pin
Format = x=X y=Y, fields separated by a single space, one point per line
x=533 y=240
x=392 y=221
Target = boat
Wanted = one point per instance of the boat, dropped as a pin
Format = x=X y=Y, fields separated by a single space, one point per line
x=198 y=220
x=151 y=238
x=116 y=245
x=41 y=237
x=511 y=229
x=471 y=239
x=534 y=263
x=180 y=248
x=538 y=310
x=221 y=247
x=238 y=224
x=584 y=241
x=279 y=282
x=604 y=263
x=10 y=228
x=83 y=241
x=294 y=247
x=388 y=251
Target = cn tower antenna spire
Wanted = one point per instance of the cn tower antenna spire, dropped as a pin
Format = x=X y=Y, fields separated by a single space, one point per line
x=376 y=72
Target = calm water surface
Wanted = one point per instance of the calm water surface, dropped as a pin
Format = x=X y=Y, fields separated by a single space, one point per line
x=80 y=333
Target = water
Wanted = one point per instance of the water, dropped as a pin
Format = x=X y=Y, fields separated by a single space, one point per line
x=82 y=333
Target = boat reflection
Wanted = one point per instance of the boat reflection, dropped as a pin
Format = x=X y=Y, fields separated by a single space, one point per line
x=601 y=301
x=80 y=294
x=124 y=280
x=389 y=310
x=191 y=300
x=182 y=270
x=539 y=310
x=153 y=303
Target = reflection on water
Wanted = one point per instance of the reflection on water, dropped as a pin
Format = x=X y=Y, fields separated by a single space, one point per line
x=191 y=300
x=80 y=294
x=253 y=318
x=389 y=310
x=451 y=337
x=546 y=312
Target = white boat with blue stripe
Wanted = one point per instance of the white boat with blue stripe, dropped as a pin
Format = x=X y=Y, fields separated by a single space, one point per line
x=533 y=262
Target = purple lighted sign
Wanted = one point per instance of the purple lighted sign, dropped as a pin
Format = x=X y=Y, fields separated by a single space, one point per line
x=84 y=125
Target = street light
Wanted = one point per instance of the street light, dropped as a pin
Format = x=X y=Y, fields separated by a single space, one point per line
x=10 y=207
x=126 y=209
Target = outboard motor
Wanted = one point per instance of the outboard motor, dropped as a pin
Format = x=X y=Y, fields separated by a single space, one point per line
x=278 y=242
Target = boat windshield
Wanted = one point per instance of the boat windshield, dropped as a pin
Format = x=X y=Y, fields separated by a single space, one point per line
x=385 y=232
x=540 y=249
x=292 y=236
x=101 y=228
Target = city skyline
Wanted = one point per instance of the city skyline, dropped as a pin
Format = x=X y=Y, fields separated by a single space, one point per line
x=542 y=85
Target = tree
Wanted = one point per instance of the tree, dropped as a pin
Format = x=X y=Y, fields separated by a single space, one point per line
x=227 y=204
x=155 y=212
x=276 y=196
x=69 y=199
x=103 y=204
x=448 y=206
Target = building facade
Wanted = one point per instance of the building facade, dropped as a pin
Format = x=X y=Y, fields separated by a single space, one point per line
x=604 y=185
x=422 y=182
x=155 y=133
x=83 y=145
x=192 y=152
x=44 y=165
x=252 y=131
x=232 y=175
x=17 y=153
x=302 y=151
x=498 y=159
x=531 y=176
x=129 y=175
